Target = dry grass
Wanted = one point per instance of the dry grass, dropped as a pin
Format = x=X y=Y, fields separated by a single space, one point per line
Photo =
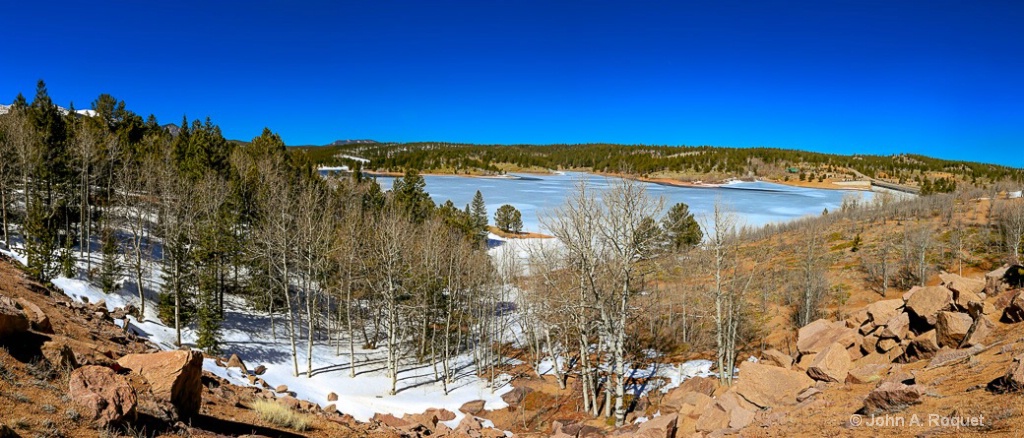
x=279 y=415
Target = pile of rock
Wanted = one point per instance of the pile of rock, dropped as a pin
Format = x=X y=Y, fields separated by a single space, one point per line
x=926 y=320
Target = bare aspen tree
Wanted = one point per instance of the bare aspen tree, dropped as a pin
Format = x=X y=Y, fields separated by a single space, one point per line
x=387 y=266
x=812 y=265
x=314 y=227
x=135 y=212
x=1010 y=219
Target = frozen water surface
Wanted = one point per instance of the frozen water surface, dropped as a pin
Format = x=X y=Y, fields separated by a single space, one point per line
x=755 y=203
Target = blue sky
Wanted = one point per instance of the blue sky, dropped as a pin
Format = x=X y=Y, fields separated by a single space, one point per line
x=942 y=78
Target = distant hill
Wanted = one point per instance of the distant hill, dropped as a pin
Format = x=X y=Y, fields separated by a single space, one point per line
x=348 y=142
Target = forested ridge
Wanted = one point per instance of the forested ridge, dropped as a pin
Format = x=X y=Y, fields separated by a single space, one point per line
x=693 y=162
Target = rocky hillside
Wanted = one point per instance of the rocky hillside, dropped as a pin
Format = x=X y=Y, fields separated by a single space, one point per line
x=945 y=359
x=68 y=369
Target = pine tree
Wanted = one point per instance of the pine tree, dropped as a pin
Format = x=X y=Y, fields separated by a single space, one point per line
x=478 y=211
x=681 y=228
x=111 y=267
x=508 y=219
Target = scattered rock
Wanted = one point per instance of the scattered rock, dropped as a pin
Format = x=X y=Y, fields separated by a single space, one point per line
x=235 y=362
x=281 y=389
x=891 y=397
x=951 y=328
x=105 y=396
x=472 y=407
x=831 y=365
x=814 y=337
x=289 y=402
x=173 y=376
x=767 y=386
x=516 y=396
x=260 y=369
x=777 y=358
x=332 y=397
x=927 y=302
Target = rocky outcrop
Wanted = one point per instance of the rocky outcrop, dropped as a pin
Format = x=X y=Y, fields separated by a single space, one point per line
x=173 y=376
x=767 y=386
x=891 y=397
x=104 y=396
x=831 y=365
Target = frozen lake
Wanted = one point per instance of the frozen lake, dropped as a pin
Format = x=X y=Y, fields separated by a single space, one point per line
x=755 y=203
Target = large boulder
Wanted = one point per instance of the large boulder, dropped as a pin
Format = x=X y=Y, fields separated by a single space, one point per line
x=994 y=281
x=659 y=427
x=951 y=328
x=814 y=337
x=767 y=386
x=173 y=376
x=516 y=396
x=12 y=319
x=884 y=310
x=777 y=358
x=715 y=417
x=831 y=365
x=926 y=302
x=702 y=385
x=892 y=397
x=104 y=396
x=923 y=346
x=472 y=407
x=962 y=286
